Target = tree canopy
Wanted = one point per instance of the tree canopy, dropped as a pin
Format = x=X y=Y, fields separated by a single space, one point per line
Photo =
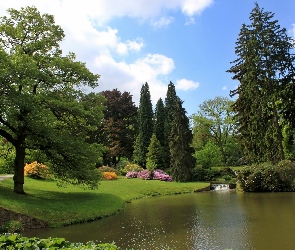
x=119 y=126
x=42 y=106
x=145 y=126
x=265 y=71
x=215 y=122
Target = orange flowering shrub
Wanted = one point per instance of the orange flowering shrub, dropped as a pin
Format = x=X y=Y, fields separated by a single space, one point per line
x=109 y=176
x=37 y=170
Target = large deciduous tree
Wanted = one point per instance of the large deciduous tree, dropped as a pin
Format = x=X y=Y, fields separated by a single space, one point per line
x=41 y=104
x=119 y=125
x=214 y=121
x=265 y=71
x=145 y=126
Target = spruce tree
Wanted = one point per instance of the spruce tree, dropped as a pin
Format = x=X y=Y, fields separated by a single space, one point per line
x=265 y=70
x=182 y=160
x=154 y=154
x=159 y=121
x=145 y=125
x=171 y=105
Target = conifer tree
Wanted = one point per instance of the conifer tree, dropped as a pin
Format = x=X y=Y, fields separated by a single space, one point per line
x=154 y=154
x=265 y=70
x=159 y=121
x=145 y=126
x=171 y=105
x=182 y=160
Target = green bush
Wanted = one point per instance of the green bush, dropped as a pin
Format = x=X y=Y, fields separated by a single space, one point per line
x=227 y=171
x=204 y=174
x=7 y=165
x=16 y=241
x=131 y=167
x=268 y=177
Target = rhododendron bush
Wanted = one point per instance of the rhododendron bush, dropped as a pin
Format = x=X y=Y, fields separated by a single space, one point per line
x=37 y=170
x=110 y=176
x=157 y=174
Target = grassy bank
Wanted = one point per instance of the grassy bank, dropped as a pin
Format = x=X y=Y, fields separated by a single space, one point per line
x=61 y=206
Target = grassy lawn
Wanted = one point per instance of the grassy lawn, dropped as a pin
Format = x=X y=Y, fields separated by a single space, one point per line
x=61 y=206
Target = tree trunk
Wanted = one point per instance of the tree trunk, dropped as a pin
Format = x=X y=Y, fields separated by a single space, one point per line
x=19 y=163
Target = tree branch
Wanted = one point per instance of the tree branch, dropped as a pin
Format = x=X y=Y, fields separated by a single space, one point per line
x=7 y=136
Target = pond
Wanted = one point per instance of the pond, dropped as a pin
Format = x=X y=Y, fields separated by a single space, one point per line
x=208 y=220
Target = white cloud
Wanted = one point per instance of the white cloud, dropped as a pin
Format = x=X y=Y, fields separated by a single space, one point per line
x=88 y=35
x=162 y=22
x=224 y=88
x=130 y=77
x=185 y=84
x=190 y=21
x=192 y=7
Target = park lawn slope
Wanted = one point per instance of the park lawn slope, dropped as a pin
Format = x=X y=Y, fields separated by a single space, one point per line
x=62 y=206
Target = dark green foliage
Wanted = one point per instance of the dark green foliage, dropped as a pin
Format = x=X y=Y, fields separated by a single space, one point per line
x=182 y=160
x=171 y=104
x=265 y=71
x=268 y=177
x=204 y=174
x=159 y=122
x=154 y=154
x=145 y=126
x=118 y=129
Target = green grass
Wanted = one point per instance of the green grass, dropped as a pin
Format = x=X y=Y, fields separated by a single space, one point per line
x=62 y=206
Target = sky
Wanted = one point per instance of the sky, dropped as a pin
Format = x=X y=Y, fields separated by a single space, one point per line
x=129 y=42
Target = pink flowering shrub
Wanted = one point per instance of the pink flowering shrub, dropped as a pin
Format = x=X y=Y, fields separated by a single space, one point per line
x=159 y=175
x=144 y=174
x=131 y=174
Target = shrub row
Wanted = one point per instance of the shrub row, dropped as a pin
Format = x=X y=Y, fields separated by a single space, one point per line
x=157 y=174
x=268 y=177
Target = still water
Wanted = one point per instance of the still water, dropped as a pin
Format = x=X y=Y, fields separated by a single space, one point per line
x=208 y=220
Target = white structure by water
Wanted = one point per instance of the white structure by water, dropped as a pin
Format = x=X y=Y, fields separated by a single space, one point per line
x=219 y=186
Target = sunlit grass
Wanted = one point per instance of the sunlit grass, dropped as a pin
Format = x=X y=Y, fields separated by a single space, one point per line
x=61 y=206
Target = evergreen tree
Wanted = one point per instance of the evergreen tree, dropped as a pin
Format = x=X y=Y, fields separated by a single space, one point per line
x=154 y=154
x=182 y=160
x=265 y=71
x=171 y=105
x=159 y=123
x=145 y=125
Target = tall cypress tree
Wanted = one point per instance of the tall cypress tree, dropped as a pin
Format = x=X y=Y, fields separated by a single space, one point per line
x=145 y=125
x=159 y=121
x=182 y=160
x=265 y=70
x=171 y=105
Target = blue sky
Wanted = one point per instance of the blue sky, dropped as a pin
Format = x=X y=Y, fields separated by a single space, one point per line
x=130 y=42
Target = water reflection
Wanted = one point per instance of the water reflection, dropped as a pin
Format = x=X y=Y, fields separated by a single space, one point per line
x=209 y=220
